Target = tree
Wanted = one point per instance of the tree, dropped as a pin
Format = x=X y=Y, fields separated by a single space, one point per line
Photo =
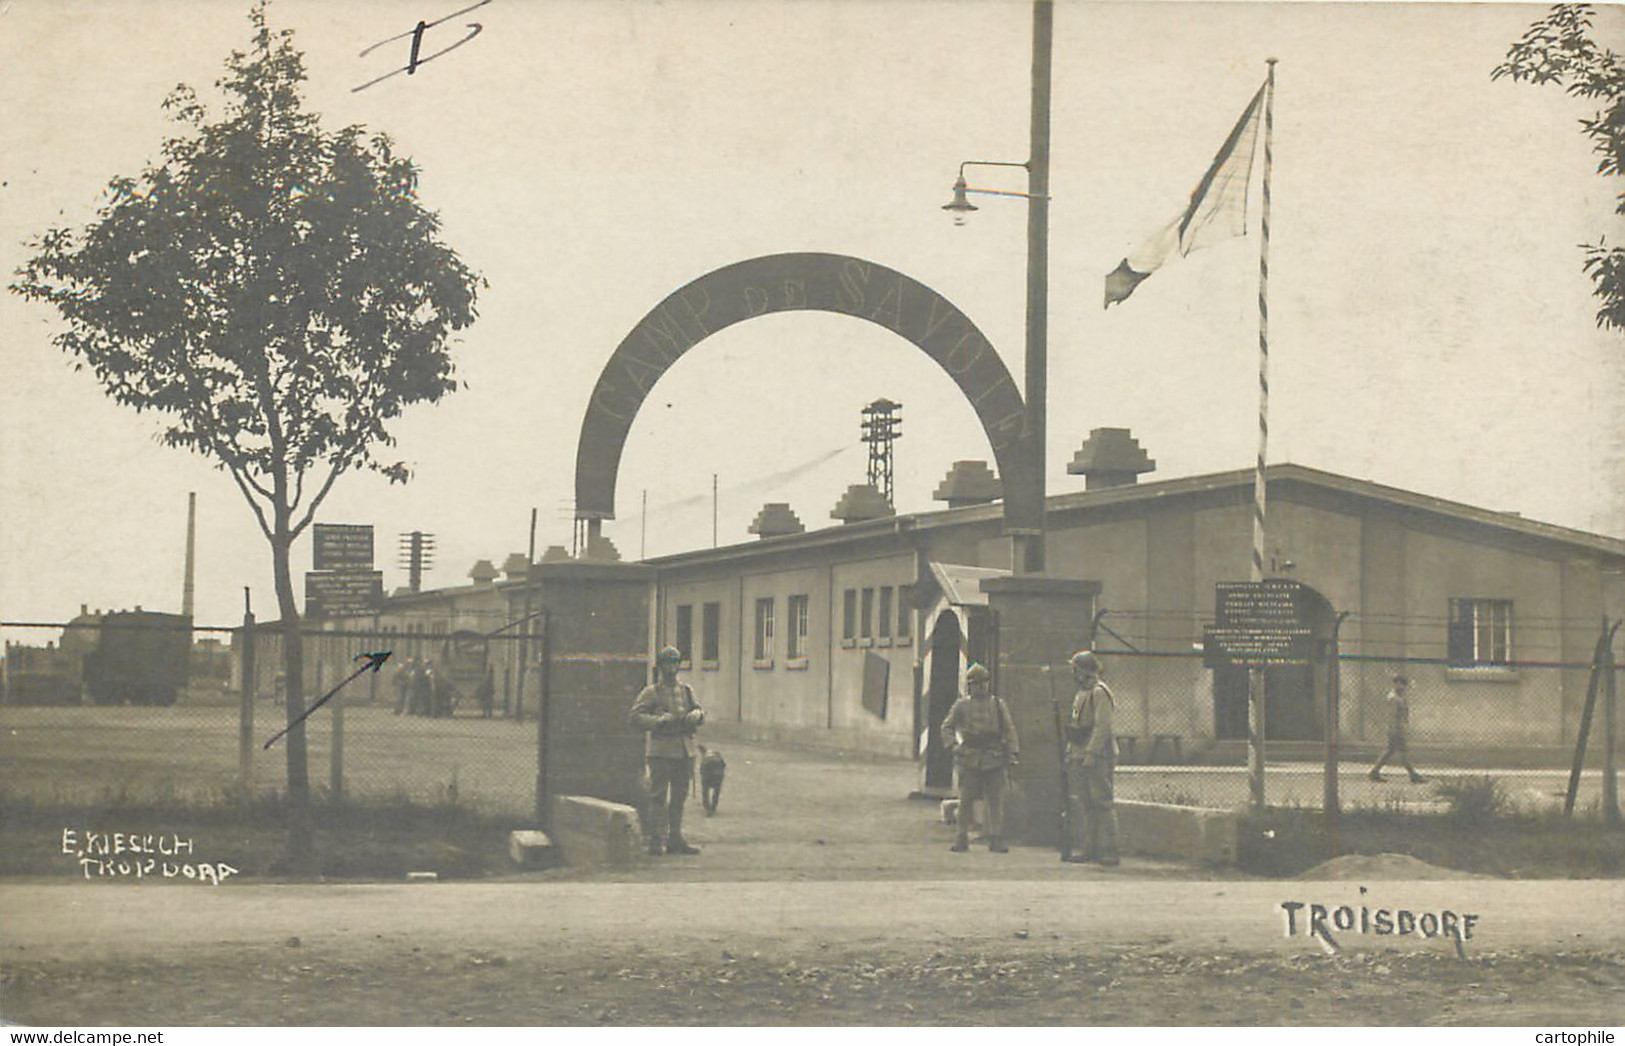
x=1559 y=49
x=278 y=293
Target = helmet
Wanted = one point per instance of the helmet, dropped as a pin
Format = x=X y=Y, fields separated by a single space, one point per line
x=977 y=674
x=668 y=653
x=1086 y=659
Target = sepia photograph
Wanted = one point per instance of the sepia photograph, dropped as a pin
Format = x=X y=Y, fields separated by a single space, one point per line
x=605 y=514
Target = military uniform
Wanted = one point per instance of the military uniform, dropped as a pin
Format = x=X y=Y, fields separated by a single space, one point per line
x=1399 y=721
x=1091 y=754
x=664 y=713
x=987 y=745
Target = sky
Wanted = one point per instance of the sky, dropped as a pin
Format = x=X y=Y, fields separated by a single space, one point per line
x=1430 y=325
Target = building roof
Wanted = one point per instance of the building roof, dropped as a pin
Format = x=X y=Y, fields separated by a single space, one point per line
x=962 y=585
x=1283 y=477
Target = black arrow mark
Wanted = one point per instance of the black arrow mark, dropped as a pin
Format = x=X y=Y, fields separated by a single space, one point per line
x=373 y=662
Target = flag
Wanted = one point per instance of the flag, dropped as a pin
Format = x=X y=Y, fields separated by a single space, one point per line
x=1217 y=209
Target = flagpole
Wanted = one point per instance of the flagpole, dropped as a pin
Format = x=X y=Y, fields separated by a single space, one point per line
x=1255 y=681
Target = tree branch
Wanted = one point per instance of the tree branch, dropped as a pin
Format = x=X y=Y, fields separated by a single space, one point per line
x=259 y=514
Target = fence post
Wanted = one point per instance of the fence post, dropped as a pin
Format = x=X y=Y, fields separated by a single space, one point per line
x=1334 y=723
x=245 y=707
x=543 y=710
x=1604 y=645
x=335 y=751
x=1255 y=737
x=1610 y=783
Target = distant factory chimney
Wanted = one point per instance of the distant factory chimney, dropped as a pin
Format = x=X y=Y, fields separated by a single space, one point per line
x=191 y=554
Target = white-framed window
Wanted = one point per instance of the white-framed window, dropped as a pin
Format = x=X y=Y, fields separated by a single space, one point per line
x=849 y=617
x=1480 y=633
x=867 y=619
x=796 y=637
x=905 y=610
x=764 y=632
x=685 y=633
x=883 y=618
x=711 y=635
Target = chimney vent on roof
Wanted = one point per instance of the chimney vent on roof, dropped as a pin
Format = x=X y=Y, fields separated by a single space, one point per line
x=776 y=520
x=969 y=483
x=1110 y=458
x=861 y=502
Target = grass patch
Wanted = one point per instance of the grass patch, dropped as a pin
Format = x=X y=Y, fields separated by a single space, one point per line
x=373 y=840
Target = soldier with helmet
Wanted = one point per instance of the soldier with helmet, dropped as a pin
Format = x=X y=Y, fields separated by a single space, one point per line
x=667 y=713
x=982 y=736
x=1091 y=754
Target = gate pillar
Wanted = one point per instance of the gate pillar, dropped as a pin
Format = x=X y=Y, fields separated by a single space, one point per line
x=1038 y=621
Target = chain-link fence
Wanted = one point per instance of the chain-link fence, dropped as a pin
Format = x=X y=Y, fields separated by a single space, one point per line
x=145 y=707
x=1183 y=727
x=142 y=707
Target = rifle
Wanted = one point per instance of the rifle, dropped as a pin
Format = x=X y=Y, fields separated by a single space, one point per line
x=1066 y=790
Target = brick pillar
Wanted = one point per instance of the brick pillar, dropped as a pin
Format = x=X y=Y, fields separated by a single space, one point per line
x=599 y=660
x=1040 y=621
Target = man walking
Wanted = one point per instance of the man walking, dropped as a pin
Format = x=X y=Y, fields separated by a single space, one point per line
x=666 y=711
x=982 y=737
x=1399 y=720
x=1091 y=754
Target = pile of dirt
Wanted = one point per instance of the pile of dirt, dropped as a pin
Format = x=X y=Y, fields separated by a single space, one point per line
x=1383 y=866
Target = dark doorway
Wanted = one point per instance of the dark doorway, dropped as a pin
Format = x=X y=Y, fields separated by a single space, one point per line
x=1290 y=712
x=942 y=689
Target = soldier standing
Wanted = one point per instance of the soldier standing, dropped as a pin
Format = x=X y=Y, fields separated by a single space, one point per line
x=666 y=711
x=983 y=739
x=1091 y=754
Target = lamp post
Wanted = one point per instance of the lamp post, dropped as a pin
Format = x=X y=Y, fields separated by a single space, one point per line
x=1028 y=550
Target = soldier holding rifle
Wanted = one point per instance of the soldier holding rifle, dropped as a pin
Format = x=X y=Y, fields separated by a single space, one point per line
x=1091 y=752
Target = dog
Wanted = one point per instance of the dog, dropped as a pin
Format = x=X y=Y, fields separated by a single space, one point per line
x=712 y=770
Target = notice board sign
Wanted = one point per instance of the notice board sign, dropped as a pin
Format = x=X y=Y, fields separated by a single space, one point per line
x=343 y=592
x=341 y=546
x=1258 y=624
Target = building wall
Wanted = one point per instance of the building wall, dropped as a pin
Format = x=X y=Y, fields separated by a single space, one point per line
x=1393 y=566
x=715 y=683
x=776 y=690
x=846 y=710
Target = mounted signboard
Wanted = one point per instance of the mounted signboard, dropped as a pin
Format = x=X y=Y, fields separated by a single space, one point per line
x=341 y=546
x=1259 y=623
x=343 y=592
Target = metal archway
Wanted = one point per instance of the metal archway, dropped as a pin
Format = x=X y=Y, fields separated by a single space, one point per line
x=820 y=282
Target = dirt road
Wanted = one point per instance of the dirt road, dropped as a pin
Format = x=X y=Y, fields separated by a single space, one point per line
x=822 y=897
x=893 y=952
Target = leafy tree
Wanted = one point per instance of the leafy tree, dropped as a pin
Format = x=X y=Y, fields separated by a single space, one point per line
x=278 y=293
x=1560 y=49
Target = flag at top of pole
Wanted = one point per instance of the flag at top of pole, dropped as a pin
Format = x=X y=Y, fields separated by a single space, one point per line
x=1217 y=209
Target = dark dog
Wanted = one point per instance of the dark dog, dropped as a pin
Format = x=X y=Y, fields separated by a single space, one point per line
x=712 y=771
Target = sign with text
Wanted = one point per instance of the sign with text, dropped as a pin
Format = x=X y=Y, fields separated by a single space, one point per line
x=342 y=546
x=343 y=592
x=1259 y=623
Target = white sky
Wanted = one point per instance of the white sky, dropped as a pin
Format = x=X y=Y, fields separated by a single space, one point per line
x=1430 y=324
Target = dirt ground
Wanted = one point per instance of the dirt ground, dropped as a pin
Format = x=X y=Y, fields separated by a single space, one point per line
x=648 y=984
x=823 y=896
x=811 y=953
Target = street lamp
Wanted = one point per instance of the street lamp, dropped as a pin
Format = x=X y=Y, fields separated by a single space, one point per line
x=1028 y=551
x=961 y=206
